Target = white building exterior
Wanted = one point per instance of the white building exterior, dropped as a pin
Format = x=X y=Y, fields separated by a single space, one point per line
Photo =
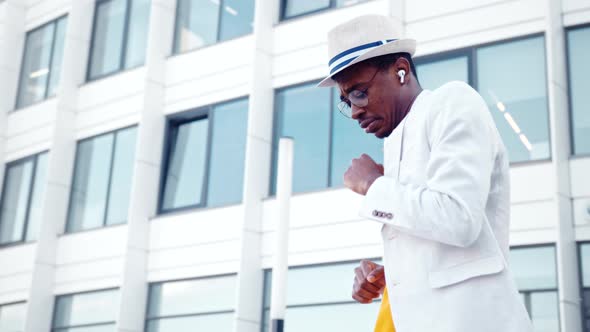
x=550 y=196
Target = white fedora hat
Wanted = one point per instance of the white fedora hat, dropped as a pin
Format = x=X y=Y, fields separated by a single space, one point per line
x=360 y=39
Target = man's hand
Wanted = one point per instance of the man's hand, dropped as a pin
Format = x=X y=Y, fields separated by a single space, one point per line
x=369 y=282
x=361 y=174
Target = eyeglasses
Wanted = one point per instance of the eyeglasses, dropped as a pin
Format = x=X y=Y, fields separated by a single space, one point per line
x=358 y=98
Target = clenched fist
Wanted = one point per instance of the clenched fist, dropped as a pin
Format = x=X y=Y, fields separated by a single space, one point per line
x=362 y=173
x=369 y=281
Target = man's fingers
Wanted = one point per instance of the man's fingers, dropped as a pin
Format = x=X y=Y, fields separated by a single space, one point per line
x=363 y=284
x=367 y=267
x=363 y=292
x=361 y=299
x=376 y=274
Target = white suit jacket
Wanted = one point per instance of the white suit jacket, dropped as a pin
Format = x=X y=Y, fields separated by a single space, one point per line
x=445 y=204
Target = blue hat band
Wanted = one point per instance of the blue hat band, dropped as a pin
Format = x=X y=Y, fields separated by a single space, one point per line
x=346 y=57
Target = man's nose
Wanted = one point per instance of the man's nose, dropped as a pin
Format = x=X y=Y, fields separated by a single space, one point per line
x=356 y=111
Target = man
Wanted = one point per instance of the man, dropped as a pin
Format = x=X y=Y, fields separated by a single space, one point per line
x=442 y=193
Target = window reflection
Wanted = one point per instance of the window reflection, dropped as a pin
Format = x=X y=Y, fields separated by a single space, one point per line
x=119 y=37
x=102 y=180
x=205 y=162
x=23 y=189
x=204 y=22
x=12 y=317
x=179 y=306
x=93 y=308
x=513 y=83
x=535 y=272
x=41 y=64
x=318 y=299
x=579 y=74
x=433 y=74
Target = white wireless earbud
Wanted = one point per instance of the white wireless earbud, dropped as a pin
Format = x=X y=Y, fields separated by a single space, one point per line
x=401 y=74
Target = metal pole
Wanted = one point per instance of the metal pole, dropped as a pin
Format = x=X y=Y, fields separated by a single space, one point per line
x=279 y=271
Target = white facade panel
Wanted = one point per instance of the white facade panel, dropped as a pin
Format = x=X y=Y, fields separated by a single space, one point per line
x=111 y=89
x=191 y=228
x=527 y=185
x=15 y=273
x=580 y=177
x=40 y=12
x=104 y=243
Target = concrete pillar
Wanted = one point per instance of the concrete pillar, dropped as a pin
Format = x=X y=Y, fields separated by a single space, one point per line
x=257 y=170
x=567 y=262
x=60 y=164
x=397 y=11
x=146 y=169
x=12 y=38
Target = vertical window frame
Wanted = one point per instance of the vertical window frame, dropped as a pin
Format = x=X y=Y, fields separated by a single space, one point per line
x=568 y=52
x=54 y=22
x=115 y=133
x=34 y=158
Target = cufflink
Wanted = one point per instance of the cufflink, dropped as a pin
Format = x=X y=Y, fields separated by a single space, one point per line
x=381 y=214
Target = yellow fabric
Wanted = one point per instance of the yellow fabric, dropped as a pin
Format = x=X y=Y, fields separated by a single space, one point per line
x=384 y=320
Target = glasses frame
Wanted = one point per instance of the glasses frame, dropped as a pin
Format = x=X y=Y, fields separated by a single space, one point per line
x=358 y=98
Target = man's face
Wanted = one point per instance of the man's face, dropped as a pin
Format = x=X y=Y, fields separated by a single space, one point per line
x=379 y=116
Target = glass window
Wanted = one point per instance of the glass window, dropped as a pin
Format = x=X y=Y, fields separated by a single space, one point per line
x=186 y=166
x=119 y=37
x=24 y=186
x=41 y=64
x=579 y=75
x=318 y=299
x=535 y=271
x=299 y=7
x=514 y=85
x=434 y=73
x=205 y=162
x=91 y=312
x=228 y=152
x=12 y=317
x=293 y=8
x=325 y=142
x=179 y=306
x=304 y=113
x=102 y=180
x=205 y=22
x=138 y=33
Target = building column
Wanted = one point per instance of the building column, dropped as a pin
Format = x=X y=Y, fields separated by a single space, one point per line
x=257 y=171
x=12 y=39
x=397 y=11
x=146 y=170
x=60 y=164
x=566 y=248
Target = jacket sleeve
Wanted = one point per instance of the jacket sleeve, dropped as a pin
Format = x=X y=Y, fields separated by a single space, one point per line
x=450 y=206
